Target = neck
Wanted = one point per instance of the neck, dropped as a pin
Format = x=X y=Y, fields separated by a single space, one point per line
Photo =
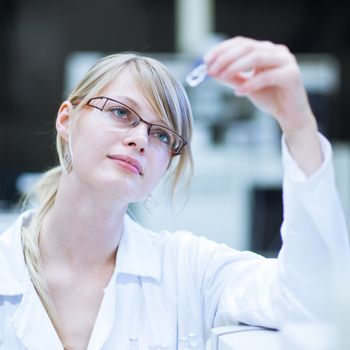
x=82 y=229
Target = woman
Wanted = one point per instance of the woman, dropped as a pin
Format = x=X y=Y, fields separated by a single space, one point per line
x=78 y=273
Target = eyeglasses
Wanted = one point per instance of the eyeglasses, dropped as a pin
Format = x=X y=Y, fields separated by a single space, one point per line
x=124 y=117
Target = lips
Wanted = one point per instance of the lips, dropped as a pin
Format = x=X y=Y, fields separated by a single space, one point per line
x=130 y=163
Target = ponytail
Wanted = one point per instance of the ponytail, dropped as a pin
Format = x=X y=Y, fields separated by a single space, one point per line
x=45 y=192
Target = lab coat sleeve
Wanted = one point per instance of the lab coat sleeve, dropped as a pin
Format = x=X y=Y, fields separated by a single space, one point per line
x=299 y=284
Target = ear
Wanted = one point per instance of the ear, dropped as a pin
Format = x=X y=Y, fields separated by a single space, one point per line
x=63 y=120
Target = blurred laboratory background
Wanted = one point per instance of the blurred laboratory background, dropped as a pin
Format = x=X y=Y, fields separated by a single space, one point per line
x=235 y=197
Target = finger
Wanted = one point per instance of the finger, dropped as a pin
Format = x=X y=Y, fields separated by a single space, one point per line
x=260 y=60
x=226 y=58
x=236 y=81
x=232 y=51
x=218 y=49
x=265 y=79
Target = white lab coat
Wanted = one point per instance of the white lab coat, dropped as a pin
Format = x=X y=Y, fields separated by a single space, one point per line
x=172 y=288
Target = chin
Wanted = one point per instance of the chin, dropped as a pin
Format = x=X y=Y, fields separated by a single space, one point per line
x=121 y=187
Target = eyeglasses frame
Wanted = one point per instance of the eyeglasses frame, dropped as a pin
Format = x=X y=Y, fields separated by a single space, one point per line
x=173 y=152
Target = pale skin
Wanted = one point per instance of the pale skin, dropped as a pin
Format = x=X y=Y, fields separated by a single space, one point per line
x=276 y=88
x=80 y=235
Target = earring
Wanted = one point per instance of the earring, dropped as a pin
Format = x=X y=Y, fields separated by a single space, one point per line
x=150 y=204
x=67 y=160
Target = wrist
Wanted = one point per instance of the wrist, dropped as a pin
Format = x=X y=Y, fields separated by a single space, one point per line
x=301 y=135
x=299 y=127
x=304 y=146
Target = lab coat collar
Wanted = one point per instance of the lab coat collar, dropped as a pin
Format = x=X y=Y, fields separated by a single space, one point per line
x=39 y=334
x=138 y=255
x=15 y=281
x=138 y=252
x=13 y=272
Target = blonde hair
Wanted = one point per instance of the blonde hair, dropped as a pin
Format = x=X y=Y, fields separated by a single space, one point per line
x=165 y=95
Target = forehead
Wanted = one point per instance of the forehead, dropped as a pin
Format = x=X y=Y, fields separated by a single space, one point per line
x=124 y=88
x=125 y=84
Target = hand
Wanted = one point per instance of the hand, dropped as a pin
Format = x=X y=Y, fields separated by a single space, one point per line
x=275 y=86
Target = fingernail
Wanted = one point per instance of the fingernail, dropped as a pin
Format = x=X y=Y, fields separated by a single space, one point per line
x=208 y=56
x=240 y=93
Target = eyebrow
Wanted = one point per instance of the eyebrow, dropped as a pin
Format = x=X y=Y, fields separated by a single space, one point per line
x=136 y=105
x=130 y=100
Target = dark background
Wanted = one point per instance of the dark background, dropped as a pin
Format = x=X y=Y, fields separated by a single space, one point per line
x=36 y=36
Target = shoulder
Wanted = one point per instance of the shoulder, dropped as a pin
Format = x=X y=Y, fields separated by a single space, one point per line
x=180 y=244
x=164 y=238
x=12 y=263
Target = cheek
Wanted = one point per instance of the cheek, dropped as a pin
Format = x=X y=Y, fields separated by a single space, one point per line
x=90 y=138
x=88 y=148
x=159 y=167
x=162 y=162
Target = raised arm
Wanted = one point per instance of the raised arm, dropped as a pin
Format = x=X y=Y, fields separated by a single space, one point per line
x=297 y=286
x=274 y=85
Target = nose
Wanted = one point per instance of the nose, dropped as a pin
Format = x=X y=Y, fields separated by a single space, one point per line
x=138 y=137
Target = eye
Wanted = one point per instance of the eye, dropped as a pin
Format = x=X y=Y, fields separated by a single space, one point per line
x=119 y=112
x=162 y=136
